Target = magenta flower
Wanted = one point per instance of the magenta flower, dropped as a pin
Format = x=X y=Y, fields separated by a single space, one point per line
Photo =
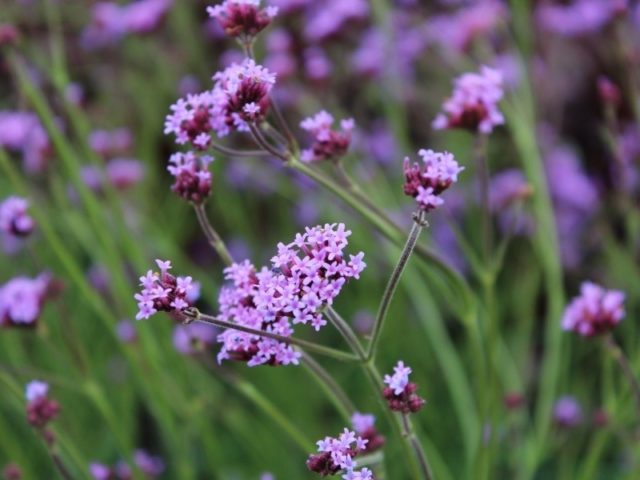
x=123 y=173
x=328 y=143
x=364 y=425
x=400 y=393
x=150 y=465
x=11 y=471
x=192 y=176
x=162 y=292
x=474 y=103
x=336 y=454
x=595 y=311
x=14 y=219
x=22 y=298
x=242 y=18
x=426 y=182
x=567 y=412
x=579 y=17
x=40 y=409
x=111 y=143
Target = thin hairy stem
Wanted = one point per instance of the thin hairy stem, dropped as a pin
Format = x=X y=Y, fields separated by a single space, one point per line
x=390 y=290
x=616 y=352
x=480 y=153
x=263 y=143
x=291 y=139
x=212 y=236
x=193 y=314
x=60 y=466
x=407 y=431
x=237 y=153
x=346 y=331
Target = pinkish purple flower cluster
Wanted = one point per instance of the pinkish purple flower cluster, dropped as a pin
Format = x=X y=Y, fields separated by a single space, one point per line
x=567 y=412
x=193 y=338
x=192 y=176
x=14 y=219
x=474 y=102
x=240 y=94
x=162 y=292
x=426 y=182
x=21 y=300
x=40 y=408
x=579 y=17
x=400 y=393
x=364 y=425
x=337 y=455
x=22 y=132
x=242 y=18
x=328 y=143
x=120 y=471
x=595 y=311
x=112 y=143
x=150 y=465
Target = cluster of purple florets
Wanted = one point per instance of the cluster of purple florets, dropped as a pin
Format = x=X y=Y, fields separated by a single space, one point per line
x=337 y=455
x=21 y=300
x=162 y=292
x=242 y=18
x=364 y=425
x=150 y=465
x=40 y=408
x=14 y=218
x=595 y=311
x=192 y=175
x=400 y=393
x=307 y=275
x=328 y=143
x=426 y=182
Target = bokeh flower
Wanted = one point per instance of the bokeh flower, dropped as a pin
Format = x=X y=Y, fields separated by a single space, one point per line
x=14 y=219
x=22 y=299
x=328 y=143
x=242 y=18
x=595 y=311
x=40 y=408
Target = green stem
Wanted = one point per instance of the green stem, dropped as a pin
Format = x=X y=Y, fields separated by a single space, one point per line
x=212 y=236
x=480 y=154
x=390 y=290
x=407 y=430
x=346 y=331
x=622 y=360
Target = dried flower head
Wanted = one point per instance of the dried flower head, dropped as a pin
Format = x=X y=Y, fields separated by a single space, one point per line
x=162 y=292
x=426 y=182
x=595 y=311
x=337 y=454
x=400 y=393
x=192 y=175
x=242 y=18
x=14 y=219
x=474 y=102
x=328 y=143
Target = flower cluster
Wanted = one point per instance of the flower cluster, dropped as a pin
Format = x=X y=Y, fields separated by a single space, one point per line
x=474 y=103
x=22 y=298
x=364 y=425
x=240 y=94
x=110 y=143
x=336 y=454
x=120 y=471
x=328 y=143
x=193 y=338
x=567 y=412
x=425 y=183
x=40 y=409
x=580 y=17
x=400 y=393
x=595 y=311
x=150 y=465
x=14 y=219
x=22 y=132
x=307 y=275
x=11 y=471
x=192 y=175
x=162 y=292
x=242 y=18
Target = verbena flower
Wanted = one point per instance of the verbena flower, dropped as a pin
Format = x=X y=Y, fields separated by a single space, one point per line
x=11 y=471
x=162 y=292
x=22 y=298
x=426 y=182
x=595 y=311
x=111 y=143
x=240 y=94
x=337 y=455
x=364 y=425
x=120 y=471
x=579 y=17
x=328 y=143
x=400 y=393
x=567 y=412
x=242 y=18
x=22 y=132
x=192 y=175
x=14 y=219
x=40 y=409
x=474 y=103
x=193 y=338
x=123 y=173
x=126 y=331
x=151 y=465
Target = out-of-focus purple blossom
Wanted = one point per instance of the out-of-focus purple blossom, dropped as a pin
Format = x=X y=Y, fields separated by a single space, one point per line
x=400 y=393
x=14 y=219
x=567 y=412
x=74 y=94
x=126 y=331
x=36 y=389
x=22 y=132
x=328 y=18
x=99 y=278
x=22 y=298
x=509 y=66
x=121 y=471
x=162 y=292
x=328 y=143
x=242 y=18
x=150 y=465
x=188 y=85
x=317 y=65
x=507 y=188
x=608 y=91
x=337 y=454
x=474 y=102
x=426 y=182
x=289 y=6
x=111 y=143
x=595 y=311
x=123 y=173
x=363 y=321
x=40 y=409
x=193 y=338
x=580 y=17
x=192 y=176
x=364 y=425
x=629 y=150
x=307 y=211
x=8 y=34
x=11 y=471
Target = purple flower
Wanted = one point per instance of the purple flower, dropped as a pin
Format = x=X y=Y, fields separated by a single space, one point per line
x=110 y=143
x=150 y=465
x=328 y=143
x=126 y=331
x=242 y=18
x=328 y=18
x=121 y=471
x=400 y=393
x=14 y=219
x=22 y=132
x=567 y=412
x=11 y=471
x=425 y=183
x=193 y=338
x=123 y=173
x=40 y=409
x=595 y=311
x=21 y=300
x=99 y=471
x=162 y=292
x=579 y=17
x=192 y=176
x=364 y=425
x=336 y=454
x=36 y=389
x=474 y=102
x=400 y=378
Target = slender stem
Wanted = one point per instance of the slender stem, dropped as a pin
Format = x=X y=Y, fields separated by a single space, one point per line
x=237 y=153
x=263 y=143
x=624 y=364
x=417 y=448
x=62 y=468
x=194 y=315
x=346 y=331
x=480 y=147
x=212 y=236
x=291 y=139
x=390 y=290
x=337 y=394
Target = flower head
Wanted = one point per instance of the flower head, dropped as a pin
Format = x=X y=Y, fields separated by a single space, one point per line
x=22 y=298
x=336 y=454
x=151 y=465
x=328 y=143
x=400 y=393
x=14 y=219
x=595 y=311
x=426 y=182
x=162 y=292
x=193 y=338
x=364 y=425
x=579 y=17
x=192 y=175
x=40 y=409
x=242 y=18
x=567 y=412
x=120 y=471
x=474 y=102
